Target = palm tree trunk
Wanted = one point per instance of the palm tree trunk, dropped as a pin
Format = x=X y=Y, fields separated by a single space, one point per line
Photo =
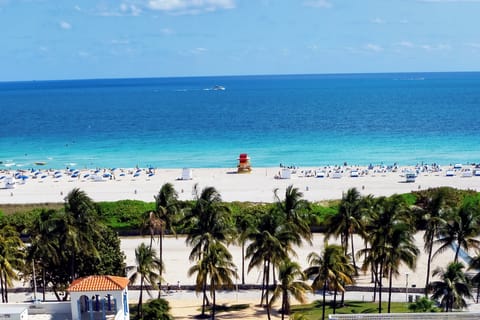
x=456 y=253
x=324 y=294
x=151 y=239
x=335 y=300
x=266 y=290
x=353 y=254
x=429 y=261
x=139 y=308
x=6 y=287
x=263 y=282
x=1 y=286
x=43 y=284
x=55 y=292
x=160 y=240
x=204 y=289
x=478 y=290
x=214 y=299
x=243 y=262
x=390 y=289
x=380 y=276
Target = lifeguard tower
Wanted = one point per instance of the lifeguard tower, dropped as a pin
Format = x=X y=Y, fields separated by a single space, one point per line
x=244 y=164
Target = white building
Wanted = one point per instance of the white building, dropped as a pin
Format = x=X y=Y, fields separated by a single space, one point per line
x=99 y=298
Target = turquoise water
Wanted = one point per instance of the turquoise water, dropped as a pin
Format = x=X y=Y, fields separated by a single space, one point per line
x=303 y=120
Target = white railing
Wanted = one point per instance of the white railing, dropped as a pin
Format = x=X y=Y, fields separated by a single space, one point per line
x=407 y=316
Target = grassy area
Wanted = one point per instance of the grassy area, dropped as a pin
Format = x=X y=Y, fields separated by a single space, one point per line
x=9 y=209
x=229 y=308
x=313 y=311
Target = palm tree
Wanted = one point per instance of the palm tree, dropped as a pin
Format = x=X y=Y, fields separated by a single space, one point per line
x=11 y=258
x=348 y=220
x=161 y=219
x=292 y=283
x=452 y=288
x=216 y=266
x=147 y=266
x=83 y=213
x=267 y=247
x=44 y=247
x=294 y=219
x=460 y=231
x=385 y=214
x=67 y=238
x=210 y=223
x=434 y=205
x=245 y=225
x=166 y=207
x=292 y=209
x=330 y=271
x=80 y=206
x=401 y=249
x=475 y=264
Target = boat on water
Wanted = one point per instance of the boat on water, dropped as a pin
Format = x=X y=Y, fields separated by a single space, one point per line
x=40 y=163
x=218 y=88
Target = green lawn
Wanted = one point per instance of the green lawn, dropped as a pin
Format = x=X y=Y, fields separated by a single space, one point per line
x=313 y=311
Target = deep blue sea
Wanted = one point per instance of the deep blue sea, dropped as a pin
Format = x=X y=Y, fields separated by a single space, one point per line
x=303 y=120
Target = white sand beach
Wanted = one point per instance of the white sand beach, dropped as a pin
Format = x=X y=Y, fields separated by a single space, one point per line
x=256 y=186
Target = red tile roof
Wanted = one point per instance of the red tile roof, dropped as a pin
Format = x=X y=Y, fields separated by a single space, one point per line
x=99 y=283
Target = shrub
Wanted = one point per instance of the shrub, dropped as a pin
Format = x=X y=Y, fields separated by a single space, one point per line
x=157 y=309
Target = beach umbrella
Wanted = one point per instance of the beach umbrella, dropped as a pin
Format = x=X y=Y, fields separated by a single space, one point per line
x=75 y=175
x=151 y=174
x=136 y=174
x=2 y=177
x=107 y=175
x=43 y=177
x=86 y=175
x=122 y=174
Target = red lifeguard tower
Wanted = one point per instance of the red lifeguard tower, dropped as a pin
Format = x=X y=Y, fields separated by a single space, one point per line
x=244 y=164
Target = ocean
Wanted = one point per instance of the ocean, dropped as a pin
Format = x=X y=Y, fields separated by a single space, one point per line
x=301 y=120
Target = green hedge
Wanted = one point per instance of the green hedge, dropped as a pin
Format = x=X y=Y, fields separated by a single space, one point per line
x=126 y=215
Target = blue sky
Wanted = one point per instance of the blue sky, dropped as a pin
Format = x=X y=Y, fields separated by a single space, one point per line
x=65 y=39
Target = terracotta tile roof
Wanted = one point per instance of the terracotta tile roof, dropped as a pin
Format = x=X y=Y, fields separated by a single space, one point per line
x=99 y=283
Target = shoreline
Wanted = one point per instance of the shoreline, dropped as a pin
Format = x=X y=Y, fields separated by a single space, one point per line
x=316 y=184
